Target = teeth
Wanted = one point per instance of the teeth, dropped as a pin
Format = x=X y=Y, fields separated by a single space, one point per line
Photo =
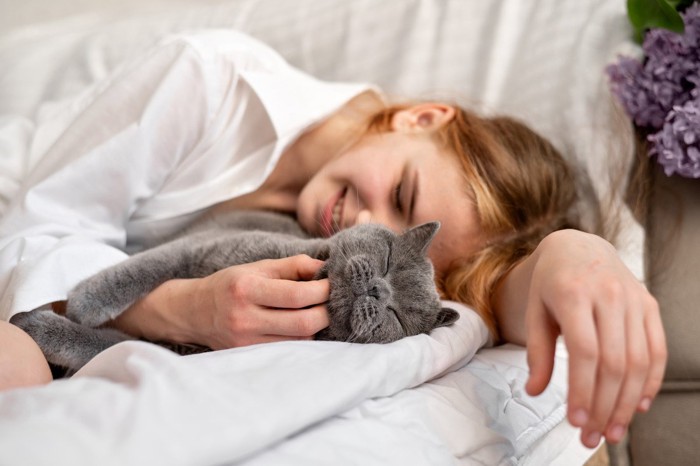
x=336 y=212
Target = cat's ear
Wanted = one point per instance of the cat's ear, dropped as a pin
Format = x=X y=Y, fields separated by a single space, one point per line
x=446 y=316
x=419 y=238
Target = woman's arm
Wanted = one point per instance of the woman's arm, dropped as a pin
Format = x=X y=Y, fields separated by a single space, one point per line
x=265 y=301
x=575 y=285
x=107 y=153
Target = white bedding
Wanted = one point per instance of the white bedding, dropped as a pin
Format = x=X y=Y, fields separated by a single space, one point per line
x=415 y=401
x=424 y=400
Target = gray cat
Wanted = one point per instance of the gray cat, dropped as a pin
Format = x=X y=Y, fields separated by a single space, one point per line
x=381 y=283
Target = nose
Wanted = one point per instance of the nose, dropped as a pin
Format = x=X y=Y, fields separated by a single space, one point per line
x=378 y=289
x=363 y=216
x=376 y=216
x=369 y=199
x=364 y=280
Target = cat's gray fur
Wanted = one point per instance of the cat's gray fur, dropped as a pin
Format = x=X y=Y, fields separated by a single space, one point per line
x=381 y=283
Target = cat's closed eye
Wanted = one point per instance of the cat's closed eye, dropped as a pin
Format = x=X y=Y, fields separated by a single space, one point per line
x=387 y=263
x=398 y=319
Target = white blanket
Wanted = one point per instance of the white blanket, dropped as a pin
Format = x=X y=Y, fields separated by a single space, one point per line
x=288 y=403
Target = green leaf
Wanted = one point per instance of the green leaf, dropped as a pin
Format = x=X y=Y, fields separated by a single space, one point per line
x=646 y=14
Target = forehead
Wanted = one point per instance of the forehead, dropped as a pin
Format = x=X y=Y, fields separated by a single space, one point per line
x=445 y=196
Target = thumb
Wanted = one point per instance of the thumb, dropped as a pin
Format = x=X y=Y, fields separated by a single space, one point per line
x=541 y=345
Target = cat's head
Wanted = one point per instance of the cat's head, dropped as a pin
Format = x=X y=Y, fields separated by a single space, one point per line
x=382 y=285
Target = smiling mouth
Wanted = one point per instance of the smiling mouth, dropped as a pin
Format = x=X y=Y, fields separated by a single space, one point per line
x=337 y=216
x=333 y=215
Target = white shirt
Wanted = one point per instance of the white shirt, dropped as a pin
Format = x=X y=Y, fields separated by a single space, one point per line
x=200 y=119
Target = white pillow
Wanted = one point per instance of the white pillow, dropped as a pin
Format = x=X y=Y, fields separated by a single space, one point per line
x=541 y=60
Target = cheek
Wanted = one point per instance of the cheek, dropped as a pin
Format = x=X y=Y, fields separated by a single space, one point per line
x=448 y=248
x=444 y=249
x=438 y=257
x=313 y=197
x=305 y=209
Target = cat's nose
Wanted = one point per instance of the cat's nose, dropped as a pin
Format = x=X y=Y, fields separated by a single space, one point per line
x=378 y=289
x=365 y=280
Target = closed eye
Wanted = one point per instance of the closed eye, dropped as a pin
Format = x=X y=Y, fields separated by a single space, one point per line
x=397 y=197
x=396 y=316
x=388 y=259
x=405 y=195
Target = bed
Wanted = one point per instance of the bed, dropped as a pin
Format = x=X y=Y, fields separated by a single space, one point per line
x=443 y=398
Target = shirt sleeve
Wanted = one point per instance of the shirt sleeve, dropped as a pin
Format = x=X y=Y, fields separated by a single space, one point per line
x=99 y=158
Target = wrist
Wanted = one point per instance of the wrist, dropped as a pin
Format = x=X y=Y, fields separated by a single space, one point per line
x=510 y=298
x=165 y=314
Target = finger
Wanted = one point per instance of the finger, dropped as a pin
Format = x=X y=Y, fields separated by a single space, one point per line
x=637 y=367
x=611 y=368
x=300 y=267
x=658 y=354
x=581 y=340
x=541 y=345
x=289 y=294
x=292 y=322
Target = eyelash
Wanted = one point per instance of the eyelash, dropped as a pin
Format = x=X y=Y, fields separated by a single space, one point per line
x=397 y=197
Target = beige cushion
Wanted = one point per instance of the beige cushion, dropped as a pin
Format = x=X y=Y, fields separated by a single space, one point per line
x=674 y=260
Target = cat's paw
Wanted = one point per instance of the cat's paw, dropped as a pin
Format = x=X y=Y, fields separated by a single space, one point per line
x=34 y=323
x=85 y=307
x=43 y=326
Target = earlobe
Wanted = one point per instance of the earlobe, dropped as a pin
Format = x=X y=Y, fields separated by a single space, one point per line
x=422 y=117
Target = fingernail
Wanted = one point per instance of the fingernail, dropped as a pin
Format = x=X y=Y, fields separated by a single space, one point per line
x=645 y=404
x=579 y=418
x=593 y=439
x=617 y=432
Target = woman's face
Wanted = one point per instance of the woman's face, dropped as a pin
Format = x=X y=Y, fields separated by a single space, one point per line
x=399 y=180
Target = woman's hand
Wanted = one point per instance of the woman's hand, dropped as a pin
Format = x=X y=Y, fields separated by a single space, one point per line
x=265 y=301
x=611 y=326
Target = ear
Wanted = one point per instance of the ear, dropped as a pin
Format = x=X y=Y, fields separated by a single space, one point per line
x=422 y=118
x=446 y=316
x=419 y=238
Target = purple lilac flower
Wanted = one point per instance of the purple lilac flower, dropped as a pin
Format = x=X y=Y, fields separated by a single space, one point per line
x=650 y=89
x=637 y=92
x=677 y=144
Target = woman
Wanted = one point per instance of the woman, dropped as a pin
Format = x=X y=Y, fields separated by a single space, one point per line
x=217 y=121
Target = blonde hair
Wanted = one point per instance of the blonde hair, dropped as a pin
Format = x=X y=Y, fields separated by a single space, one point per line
x=523 y=190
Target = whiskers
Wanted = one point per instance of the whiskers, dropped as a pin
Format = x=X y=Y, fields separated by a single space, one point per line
x=365 y=333
x=335 y=226
x=353 y=337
